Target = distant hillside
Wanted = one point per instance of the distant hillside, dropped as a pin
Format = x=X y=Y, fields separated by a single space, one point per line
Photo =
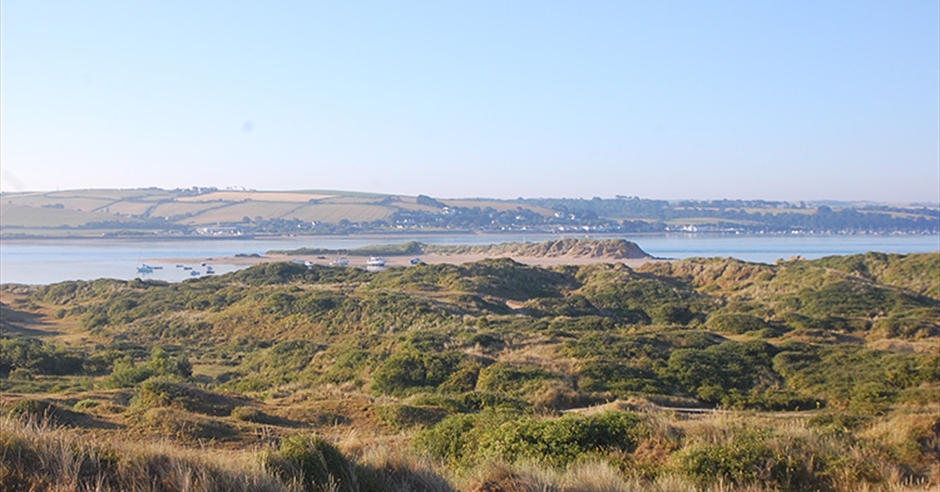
x=608 y=249
x=213 y=212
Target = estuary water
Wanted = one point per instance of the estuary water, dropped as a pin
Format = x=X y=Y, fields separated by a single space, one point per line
x=49 y=261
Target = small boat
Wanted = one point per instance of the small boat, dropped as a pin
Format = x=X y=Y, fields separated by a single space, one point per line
x=340 y=262
x=209 y=270
x=194 y=273
x=187 y=268
x=179 y=266
x=145 y=268
x=415 y=261
x=157 y=268
x=376 y=261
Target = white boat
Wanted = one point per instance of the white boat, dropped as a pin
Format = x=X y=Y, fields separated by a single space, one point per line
x=340 y=262
x=376 y=261
x=209 y=270
x=144 y=268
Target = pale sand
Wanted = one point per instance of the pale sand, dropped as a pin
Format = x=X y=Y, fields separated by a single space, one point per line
x=393 y=261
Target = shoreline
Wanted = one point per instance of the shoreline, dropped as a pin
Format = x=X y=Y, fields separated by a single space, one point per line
x=405 y=260
x=411 y=235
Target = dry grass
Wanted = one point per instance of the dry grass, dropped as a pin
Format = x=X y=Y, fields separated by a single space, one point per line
x=172 y=209
x=333 y=213
x=237 y=211
x=36 y=457
x=22 y=216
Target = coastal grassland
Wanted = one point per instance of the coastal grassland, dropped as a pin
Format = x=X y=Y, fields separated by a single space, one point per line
x=500 y=206
x=332 y=213
x=233 y=212
x=175 y=209
x=24 y=216
x=263 y=196
x=699 y=374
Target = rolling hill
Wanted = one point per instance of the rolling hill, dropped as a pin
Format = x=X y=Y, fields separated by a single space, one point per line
x=209 y=211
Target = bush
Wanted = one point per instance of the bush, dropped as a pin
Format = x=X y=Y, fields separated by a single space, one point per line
x=565 y=440
x=125 y=373
x=735 y=323
x=465 y=439
x=165 y=392
x=404 y=416
x=37 y=357
x=181 y=425
x=41 y=411
x=313 y=462
x=749 y=458
x=85 y=404
x=409 y=371
x=512 y=380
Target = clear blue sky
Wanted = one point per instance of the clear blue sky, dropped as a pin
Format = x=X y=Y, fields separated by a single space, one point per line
x=779 y=100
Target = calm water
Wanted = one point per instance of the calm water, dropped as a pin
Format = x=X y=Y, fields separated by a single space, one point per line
x=43 y=262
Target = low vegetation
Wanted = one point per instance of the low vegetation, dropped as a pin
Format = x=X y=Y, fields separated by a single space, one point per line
x=700 y=374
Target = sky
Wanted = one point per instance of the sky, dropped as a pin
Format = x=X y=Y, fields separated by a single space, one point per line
x=801 y=100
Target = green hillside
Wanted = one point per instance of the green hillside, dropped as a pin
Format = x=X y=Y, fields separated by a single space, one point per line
x=832 y=365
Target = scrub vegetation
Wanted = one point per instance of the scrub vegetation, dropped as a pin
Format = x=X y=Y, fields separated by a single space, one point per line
x=701 y=374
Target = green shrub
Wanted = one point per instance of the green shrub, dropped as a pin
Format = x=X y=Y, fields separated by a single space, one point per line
x=409 y=371
x=455 y=439
x=181 y=425
x=564 y=440
x=619 y=378
x=37 y=357
x=165 y=392
x=463 y=440
x=85 y=404
x=313 y=462
x=347 y=365
x=126 y=373
x=735 y=323
x=512 y=380
x=750 y=458
x=41 y=411
x=462 y=380
x=724 y=374
x=840 y=423
x=405 y=416
x=251 y=414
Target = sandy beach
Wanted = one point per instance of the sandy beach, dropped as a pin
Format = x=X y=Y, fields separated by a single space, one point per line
x=398 y=261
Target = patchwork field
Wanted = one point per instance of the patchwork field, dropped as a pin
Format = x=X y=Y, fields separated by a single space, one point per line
x=187 y=211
